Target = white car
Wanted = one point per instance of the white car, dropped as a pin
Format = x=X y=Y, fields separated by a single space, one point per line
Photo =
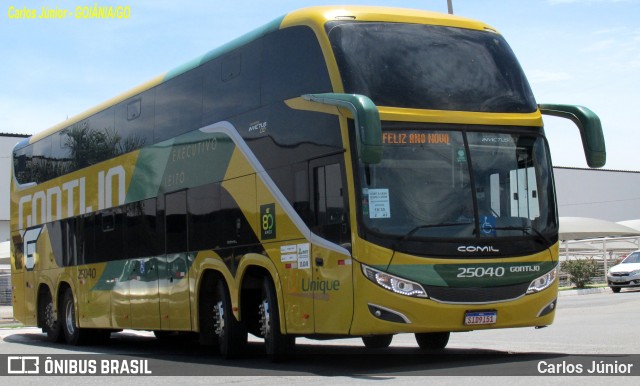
x=626 y=274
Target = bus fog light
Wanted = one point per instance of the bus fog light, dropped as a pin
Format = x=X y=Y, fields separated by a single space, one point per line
x=543 y=281
x=393 y=283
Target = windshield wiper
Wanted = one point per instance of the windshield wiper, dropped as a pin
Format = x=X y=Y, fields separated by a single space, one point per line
x=425 y=226
x=527 y=230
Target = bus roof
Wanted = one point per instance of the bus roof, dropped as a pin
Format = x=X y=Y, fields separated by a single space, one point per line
x=314 y=17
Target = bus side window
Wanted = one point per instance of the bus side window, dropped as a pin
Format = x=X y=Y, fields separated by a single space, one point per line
x=203 y=204
x=141 y=236
x=330 y=209
x=108 y=235
x=176 y=221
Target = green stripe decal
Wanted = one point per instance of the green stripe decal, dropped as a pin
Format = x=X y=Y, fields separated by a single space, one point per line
x=472 y=275
x=192 y=159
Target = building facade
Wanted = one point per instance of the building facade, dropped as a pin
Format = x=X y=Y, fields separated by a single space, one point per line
x=612 y=195
x=7 y=142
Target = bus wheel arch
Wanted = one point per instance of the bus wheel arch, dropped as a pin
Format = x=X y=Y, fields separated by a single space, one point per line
x=218 y=325
x=250 y=291
x=73 y=334
x=278 y=346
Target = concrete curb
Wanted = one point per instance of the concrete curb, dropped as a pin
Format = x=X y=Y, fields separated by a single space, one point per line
x=587 y=291
x=6 y=315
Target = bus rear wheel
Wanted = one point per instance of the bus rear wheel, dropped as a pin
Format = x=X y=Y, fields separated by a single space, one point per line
x=377 y=341
x=432 y=340
x=73 y=334
x=278 y=346
x=231 y=334
x=50 y=319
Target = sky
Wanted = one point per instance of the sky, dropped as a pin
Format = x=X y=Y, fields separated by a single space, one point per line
x=584 y=52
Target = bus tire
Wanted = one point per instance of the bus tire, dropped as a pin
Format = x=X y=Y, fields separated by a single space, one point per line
x=278 y=346
x=50 y=318
x=73 y=334
x=231 y=334
x=433 y=340
x=377 y=341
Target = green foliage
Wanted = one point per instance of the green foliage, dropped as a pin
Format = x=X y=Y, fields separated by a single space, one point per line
x=580 y=271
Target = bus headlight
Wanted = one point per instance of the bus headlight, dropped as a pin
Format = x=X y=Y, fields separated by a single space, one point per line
x=543 y=281
x=394 y=283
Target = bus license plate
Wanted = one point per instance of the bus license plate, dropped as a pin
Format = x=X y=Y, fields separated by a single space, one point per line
x=485 y=317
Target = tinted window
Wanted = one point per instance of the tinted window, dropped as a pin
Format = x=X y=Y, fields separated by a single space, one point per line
x=90 y=141
x=176 y=221
x=288 y=136
x=85 y=237
x=430 y=67
x=178 y=105
x=330 y=213
x=232 y=83
x=293 y=64
x=234 y=228
x=142 y=236
x=135 y=120
x=22 y=160
x=204 y=210
x=108 y=233
x=60 y=154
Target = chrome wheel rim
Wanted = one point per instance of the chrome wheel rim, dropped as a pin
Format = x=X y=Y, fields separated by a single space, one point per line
x=265 y=319
x=218 y=319
x=70 y=318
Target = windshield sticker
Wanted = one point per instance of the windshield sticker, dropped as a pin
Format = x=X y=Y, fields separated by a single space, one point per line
x=304 y=257
x=414 y=137
x=379 y=203
x=296 y=256
x=488 y=225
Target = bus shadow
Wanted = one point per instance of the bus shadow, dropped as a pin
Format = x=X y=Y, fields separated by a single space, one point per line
x=184 y=357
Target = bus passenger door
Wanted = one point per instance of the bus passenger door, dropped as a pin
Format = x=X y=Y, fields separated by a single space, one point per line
x=175 y=309
x=331 y=268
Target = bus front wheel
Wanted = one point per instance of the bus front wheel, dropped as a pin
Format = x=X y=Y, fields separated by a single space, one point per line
x=377 y=341
x=277 y=345
x=432 y=340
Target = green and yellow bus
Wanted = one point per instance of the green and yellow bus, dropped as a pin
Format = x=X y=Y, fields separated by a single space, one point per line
x=339 y=172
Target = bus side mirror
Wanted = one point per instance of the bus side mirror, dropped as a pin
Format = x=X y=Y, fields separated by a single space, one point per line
x=366 y=118
x=590 y=130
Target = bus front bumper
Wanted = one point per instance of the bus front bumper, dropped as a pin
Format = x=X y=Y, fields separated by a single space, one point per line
x=380 y=311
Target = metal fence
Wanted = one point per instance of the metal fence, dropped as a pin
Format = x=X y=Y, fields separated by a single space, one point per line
x=5 y=288
x=598 y=278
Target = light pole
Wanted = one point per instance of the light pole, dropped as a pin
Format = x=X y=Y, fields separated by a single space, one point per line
x=450 y=6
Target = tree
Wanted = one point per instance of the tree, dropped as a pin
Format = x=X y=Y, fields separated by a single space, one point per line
x=580 y=271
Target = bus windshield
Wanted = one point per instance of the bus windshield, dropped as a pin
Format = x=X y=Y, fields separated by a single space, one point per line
x=430 y=67
x=458 y=184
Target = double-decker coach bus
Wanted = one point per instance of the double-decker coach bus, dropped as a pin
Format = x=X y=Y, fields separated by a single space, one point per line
x=338 y=172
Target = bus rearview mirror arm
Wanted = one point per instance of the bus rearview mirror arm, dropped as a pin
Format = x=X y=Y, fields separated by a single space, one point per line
x=366 y=117
x=590 y=130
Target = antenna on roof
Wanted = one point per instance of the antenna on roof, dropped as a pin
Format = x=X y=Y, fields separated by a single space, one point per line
x=450 y=6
